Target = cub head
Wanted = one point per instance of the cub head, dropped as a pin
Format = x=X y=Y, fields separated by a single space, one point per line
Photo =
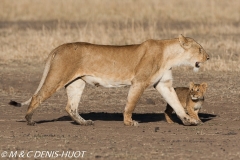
x=197 y=91
x=196 y=53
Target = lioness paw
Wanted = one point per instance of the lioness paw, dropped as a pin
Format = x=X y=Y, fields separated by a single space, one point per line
x=31 y=123
x=131 y=123
x=135 y=123
x=188 y=121
x=88 y=123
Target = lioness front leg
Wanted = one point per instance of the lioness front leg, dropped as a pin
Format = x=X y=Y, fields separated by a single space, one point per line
x=169 y=94
x=134 y=94
x=74 y=92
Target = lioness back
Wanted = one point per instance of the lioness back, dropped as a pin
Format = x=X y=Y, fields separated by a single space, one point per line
x=191 y=98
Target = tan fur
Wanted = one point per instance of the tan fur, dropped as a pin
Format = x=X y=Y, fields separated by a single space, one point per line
x=140 y=66
x=191 y=98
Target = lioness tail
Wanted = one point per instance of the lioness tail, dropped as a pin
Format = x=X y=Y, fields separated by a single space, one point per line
x=45 y=72
x=14 y=103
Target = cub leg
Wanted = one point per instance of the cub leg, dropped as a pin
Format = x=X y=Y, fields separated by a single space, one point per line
x=196 y=112
x=168 y=114
x=192 y=113
x=74 y=92
x=134 y=94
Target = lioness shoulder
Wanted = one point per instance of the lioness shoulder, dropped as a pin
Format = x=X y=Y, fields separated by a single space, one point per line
x=191 y=98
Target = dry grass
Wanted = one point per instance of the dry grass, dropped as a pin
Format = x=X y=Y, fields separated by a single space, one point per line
x=99 y=10
x=214 y=24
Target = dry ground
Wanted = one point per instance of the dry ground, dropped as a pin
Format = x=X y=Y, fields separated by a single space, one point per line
x=217 y=138
x=30 y=30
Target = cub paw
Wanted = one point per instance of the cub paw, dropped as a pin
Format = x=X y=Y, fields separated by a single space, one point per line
x=170 y=122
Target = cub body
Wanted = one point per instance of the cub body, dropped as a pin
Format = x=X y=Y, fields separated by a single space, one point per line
x=191 y=98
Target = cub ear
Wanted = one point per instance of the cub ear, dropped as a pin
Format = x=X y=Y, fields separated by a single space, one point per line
x=191 y=84
x=184 y=42
x=204 y=86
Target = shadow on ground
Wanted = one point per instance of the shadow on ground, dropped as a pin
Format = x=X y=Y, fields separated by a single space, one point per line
x=140 y=117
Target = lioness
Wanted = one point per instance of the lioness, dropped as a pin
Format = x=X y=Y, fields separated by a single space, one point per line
x=191 y=99
x=140 y=65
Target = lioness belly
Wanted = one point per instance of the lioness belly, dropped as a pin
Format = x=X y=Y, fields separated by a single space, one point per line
x=105 y=82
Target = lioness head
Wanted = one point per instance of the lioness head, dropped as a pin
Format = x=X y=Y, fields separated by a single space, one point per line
x=195 y=51
x=197 y=91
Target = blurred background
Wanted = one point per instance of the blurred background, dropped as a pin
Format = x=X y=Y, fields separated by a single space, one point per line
x=29 y=30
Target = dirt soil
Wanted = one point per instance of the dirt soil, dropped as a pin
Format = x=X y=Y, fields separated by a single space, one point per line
x=218 y=138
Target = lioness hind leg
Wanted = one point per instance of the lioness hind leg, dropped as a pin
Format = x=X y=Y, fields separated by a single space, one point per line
x=74 y=92
x=168 y=114
x=44 y=93
x=35 y=102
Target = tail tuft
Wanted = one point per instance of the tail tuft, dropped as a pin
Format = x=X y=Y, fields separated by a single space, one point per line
x=14 y=103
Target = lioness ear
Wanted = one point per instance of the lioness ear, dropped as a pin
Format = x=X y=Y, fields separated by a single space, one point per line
x=184 y=42
x=204 y=86
x=191 y=84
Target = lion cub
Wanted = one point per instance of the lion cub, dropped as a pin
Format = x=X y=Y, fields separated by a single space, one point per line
x=191 y=99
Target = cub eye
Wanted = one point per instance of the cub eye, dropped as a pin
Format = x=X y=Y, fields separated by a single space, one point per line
x=191 y=90
x=197 y=90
